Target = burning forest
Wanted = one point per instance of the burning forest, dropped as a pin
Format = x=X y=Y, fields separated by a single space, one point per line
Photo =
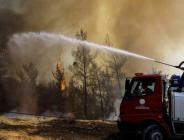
x=64 y=63
x=88 y=93
x=84 y=90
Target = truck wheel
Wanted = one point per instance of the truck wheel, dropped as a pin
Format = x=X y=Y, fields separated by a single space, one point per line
x=153 y=132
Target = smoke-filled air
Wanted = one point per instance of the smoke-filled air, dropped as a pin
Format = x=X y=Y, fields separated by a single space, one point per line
x=71 y=57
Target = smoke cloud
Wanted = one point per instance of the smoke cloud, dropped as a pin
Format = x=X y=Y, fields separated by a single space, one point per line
x=153 y=28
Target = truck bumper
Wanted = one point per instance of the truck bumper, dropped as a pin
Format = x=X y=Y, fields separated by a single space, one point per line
x=128 y=128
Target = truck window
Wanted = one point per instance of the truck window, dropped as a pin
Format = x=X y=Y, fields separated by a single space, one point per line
x=141 y=87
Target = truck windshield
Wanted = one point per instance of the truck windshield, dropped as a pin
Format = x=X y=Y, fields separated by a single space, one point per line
x=140 y=87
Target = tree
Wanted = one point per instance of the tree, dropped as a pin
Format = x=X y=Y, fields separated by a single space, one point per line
x=29 y=73
x=109 y=97
x=83 y=61
x=59 y=97
x=115 y=64
x=59 y=77
x=74 y=102
x=4 y=81
x=27 y=88
x=96 y=76
x=102 y=89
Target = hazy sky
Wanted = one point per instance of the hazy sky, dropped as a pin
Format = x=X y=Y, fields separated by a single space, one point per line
x=154 y=28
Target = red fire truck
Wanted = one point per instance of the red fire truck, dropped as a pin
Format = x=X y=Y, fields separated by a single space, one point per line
x=153 y=106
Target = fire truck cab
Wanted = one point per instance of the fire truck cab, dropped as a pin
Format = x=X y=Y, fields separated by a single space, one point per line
x=153 y=106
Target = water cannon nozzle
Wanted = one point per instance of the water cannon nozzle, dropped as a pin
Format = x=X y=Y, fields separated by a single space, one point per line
x=178 y=67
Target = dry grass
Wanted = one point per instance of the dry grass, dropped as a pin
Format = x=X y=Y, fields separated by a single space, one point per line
x=34 y=128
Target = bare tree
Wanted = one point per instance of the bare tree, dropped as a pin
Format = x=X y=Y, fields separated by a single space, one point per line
x=115 y=64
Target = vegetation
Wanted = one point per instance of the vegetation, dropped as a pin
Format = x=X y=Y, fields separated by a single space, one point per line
x=89 y=93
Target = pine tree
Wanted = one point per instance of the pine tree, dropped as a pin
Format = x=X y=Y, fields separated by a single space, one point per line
x=83 y=61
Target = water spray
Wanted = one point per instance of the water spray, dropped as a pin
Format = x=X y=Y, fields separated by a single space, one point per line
x=53 y=38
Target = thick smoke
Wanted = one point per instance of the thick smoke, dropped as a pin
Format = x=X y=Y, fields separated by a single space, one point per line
x=152 y=28
x=10 y=23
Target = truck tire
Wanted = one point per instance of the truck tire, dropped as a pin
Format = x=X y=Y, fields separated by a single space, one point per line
x=152 y=132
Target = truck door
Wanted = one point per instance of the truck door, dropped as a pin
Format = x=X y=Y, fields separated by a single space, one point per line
x=141 y=100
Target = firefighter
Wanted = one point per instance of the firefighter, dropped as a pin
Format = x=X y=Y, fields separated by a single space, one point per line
x=146 y=89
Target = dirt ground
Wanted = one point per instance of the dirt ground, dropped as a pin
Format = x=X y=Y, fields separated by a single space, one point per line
x=40 y=128
x=44 y=128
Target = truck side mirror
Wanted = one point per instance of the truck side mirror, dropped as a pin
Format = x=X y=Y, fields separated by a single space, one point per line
x=127 y=84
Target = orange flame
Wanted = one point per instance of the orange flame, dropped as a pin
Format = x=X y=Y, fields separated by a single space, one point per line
x=60 y=72
x=63 y=86
x=58 y=67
